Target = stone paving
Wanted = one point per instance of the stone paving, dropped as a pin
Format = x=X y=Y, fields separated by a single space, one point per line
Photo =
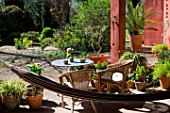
x=52 y=100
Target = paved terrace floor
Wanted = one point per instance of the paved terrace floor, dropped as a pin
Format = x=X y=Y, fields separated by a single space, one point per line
x=52 y=101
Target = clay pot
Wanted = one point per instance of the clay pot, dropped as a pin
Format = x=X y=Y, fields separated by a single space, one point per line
x=136 y=43
x=34 y=102
x=130 y=84
x=140 y=85
x=164 y=82
x=96 y=58
x=11 y=103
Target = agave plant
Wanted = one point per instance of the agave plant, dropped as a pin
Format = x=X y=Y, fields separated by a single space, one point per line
x=137 y=18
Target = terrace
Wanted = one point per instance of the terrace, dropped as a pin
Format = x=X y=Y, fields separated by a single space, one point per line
x=85 y=35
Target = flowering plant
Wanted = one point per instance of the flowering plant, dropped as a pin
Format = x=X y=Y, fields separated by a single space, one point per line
x=101 y=65
x=69 y=52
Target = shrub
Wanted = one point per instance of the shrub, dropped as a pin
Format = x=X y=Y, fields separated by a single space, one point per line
x=32 y=35
x=47 y=32
x=22 y=43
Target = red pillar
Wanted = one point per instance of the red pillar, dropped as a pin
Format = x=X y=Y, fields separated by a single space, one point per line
x=117 y=29
x=153 y=37
x=166 y=21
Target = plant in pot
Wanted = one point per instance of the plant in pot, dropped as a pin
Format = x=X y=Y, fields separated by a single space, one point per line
x=162 y=73
x=137 y=59
x=34 y=94
x=101 y=65
x=136 y=19
x=95 y=26
x=12 y=92
x=159 y=48
x=140 y=76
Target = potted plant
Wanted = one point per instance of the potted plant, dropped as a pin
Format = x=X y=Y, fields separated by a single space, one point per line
x=136 y=19
x=137 y=59
x=34 y=94
x=140 y=75
x=101 y=65
x=162 y=72
x=159 y=48
x=12 y=92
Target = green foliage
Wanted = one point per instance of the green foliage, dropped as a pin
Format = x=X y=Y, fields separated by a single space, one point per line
x=36 y=69
x=161 y=69
x=136 y=18
x=31 y=35
x=47 y=32
x=164 y=55
x=32 y=90
x=92 y=22
x=101 y=65
x=159 y=47
x=69 y=39
x=137 y=58
x=140 y=73
x=22 y=43
x=55 y=54
x=12 y=88
x=46 y=42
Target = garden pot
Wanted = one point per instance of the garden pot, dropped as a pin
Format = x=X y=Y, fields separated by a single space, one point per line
x=136 y=43
x=130 y=84
x=34 y=102
x=96 y=58
x=11 y=103
x=140 y=85
x=164 y=82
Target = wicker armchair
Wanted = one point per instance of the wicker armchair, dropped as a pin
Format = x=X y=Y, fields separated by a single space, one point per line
x=78 y=80
x=118 y=69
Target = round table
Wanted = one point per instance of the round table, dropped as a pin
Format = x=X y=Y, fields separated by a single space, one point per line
x=60 y=63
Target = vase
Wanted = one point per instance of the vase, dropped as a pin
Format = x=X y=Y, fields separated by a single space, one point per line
x=71 y=59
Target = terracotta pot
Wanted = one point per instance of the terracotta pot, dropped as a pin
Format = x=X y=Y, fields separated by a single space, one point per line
x=11 y=103
x=34 y=102
x=96 y=58
x=136 y=43
x=164 y=82
x=140 y=85
x=130 y=84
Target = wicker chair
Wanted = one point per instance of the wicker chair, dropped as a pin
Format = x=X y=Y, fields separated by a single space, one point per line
x=118 y=69
x=78 y=80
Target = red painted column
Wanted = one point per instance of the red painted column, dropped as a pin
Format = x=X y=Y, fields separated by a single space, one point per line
x=166 y=27
x=153 y=37
x=117 y=29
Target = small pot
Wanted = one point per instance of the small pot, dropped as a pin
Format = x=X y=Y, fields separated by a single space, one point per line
x=66 y=62
x=11 y=103
x=140 y=85
x=82 y=60
x=34 y=102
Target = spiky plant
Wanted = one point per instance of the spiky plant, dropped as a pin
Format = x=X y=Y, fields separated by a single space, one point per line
x=136 y=18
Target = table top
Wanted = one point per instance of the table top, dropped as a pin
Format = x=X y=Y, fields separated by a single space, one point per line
x=60 y=62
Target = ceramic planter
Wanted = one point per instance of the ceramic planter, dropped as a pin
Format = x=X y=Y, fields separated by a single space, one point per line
x=96 y=58
x=164 y=82
x=34 y=102
x=130 y=84
x=136 y=43
x=11 y=103
x=140 y=85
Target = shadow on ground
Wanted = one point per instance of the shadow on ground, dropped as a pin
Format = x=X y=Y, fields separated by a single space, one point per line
x=144 y=107
x=47 y=107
